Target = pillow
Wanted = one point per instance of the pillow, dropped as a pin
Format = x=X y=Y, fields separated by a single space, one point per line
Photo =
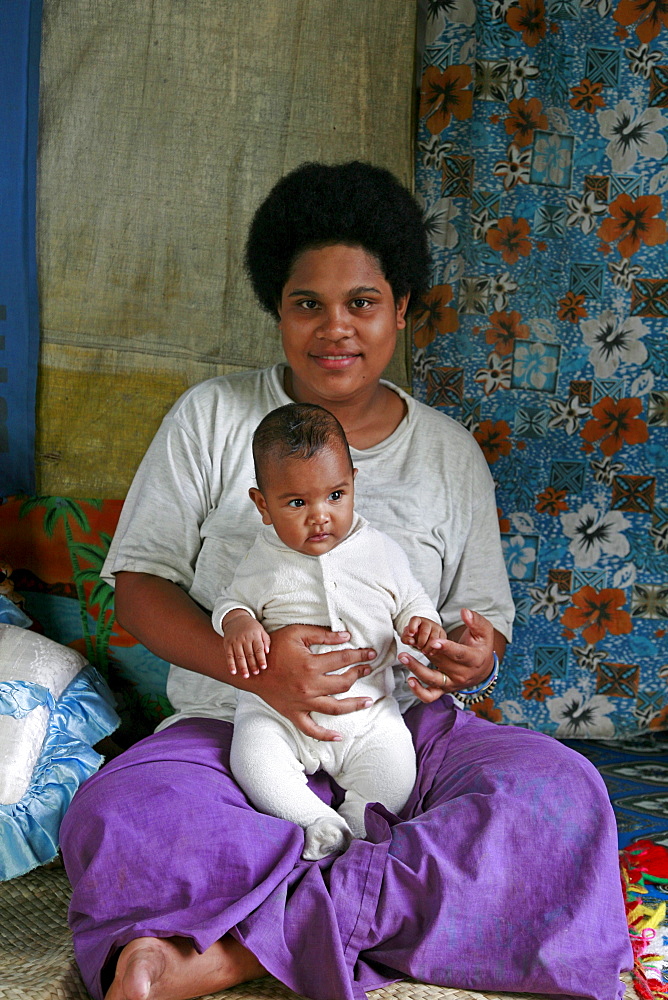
x=11 y=614
x=53 y=708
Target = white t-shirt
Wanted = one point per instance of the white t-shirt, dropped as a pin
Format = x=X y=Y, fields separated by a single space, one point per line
x=188 y=517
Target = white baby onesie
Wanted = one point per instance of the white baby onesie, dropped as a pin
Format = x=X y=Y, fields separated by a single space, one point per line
x=364 y=586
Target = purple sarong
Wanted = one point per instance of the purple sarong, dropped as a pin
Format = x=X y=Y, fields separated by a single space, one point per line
x=501 y=874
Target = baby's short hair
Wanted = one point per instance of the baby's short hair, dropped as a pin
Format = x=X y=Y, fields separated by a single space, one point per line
x=296 y=430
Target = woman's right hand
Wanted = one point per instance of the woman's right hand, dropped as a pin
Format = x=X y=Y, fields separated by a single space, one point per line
x=298 y=681
x=166 y=620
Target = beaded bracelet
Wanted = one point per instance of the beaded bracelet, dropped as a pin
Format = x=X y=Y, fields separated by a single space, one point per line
x=469 y=696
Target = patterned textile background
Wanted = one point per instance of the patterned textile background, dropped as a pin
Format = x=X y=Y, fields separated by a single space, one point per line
x=162 y=126
x=541 y=162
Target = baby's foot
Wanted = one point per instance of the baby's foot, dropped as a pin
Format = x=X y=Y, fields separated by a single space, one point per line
x=326 y=836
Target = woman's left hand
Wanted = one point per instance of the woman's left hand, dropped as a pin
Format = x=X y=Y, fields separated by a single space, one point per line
x=462 y=661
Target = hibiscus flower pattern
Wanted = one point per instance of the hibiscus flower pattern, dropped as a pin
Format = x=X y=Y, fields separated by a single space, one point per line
x=587 y=95
x=633 y=222
x=597 y=613
x=509 y=237
x=649 y=17
x=445 y=93
x=614 y=342
x=434 y=316
x=505 y=328
x=542 y=167
x=572 y=307
x=614 y=423
x=593 y=533
x=578 y=717
x=525 y=116
x=537 y=686
x=632 y=134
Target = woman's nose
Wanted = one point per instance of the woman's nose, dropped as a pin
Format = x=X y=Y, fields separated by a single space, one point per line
x=335 y=324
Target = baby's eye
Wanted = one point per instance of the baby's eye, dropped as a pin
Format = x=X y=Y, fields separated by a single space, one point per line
x=296 y=503
x=336 y=495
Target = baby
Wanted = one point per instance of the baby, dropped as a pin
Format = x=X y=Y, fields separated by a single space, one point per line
x=317 y=562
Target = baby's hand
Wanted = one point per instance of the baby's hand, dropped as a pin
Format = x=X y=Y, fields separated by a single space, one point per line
x=246 y=643
x=424 y=634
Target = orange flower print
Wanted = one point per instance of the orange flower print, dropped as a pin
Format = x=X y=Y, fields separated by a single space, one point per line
x=632 y=222
x=652 y=15
x=524 y=117
x=660 y=721
x=504 y=522
x=509 y=237
x=571 y=307
x=529 y=18
x=551 y=501
x=587 y=96
x=493 y=438
x=615 y=423
x=597 y=612
x=537 y=687
x=486 y=709
x=504 y=329
x=444 y=94
x=434 y=316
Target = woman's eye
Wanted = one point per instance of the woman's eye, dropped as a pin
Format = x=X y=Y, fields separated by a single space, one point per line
x=296 y=503
x=360 y=303
x=336 y=495
x=308 y=304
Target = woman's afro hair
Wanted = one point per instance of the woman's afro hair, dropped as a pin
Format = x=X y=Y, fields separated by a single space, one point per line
x=355 y=204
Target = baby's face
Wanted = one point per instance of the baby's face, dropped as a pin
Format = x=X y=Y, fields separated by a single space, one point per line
x=308 y=501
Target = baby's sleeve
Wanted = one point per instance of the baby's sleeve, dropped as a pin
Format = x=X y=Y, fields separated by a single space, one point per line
x=245 y=590
x=223 y=606
x=411 y=598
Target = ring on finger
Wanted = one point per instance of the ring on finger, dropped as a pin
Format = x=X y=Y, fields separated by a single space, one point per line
x=445 y=679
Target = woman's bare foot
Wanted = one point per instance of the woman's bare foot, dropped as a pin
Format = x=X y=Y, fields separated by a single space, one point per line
x=171 y=969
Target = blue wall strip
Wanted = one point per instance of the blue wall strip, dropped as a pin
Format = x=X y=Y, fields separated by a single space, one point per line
x=20 y=38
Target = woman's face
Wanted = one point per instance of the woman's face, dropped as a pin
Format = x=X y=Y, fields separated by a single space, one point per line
x=339 y=323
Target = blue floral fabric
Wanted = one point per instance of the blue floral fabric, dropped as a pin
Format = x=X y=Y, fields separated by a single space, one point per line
x=543 y=170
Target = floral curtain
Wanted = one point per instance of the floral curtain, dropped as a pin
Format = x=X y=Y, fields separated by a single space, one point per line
x=542 y=165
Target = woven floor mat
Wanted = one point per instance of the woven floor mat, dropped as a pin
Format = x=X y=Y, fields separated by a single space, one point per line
x=37 y=963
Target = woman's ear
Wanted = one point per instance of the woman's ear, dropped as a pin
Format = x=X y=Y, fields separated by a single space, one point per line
x=261 y=504
x=401 y=306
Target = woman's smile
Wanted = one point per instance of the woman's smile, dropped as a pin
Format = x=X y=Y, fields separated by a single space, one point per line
x=335 y=362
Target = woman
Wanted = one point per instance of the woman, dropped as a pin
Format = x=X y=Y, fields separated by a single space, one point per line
x=501 y=872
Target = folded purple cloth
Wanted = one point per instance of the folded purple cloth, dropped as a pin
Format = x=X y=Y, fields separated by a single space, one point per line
x=501 y=874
